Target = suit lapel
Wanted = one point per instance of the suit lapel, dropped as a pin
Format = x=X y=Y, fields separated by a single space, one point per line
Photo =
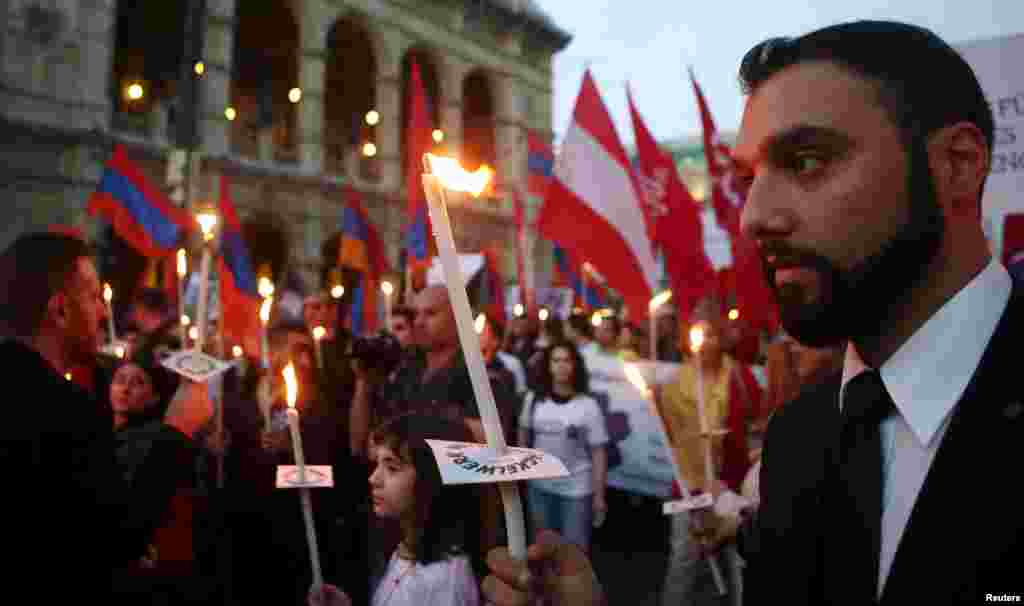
x=953 y=511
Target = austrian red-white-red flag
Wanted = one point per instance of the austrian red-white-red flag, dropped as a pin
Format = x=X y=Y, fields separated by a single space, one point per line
x=593 y=204
x=674 y=218
x=753 y=296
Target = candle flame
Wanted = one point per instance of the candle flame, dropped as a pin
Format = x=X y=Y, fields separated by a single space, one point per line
x=237 y=351
x=291 y=384
x=108 y=293
x=182 y=263
x=207 y=221
x=193 y=333
x=265 y=287
x=452 y=176
x=185 y=320
x=119 y=352
x=387 y=288
x=67 y=376
x=696 y=338
x=734 y=314
x=634 y=376
x=543 y=315
x=518 y=310
x=659 y=300
x=265 y=310
x=480 y=323
x=319 y=332
x=338 y=291
x=595 y=319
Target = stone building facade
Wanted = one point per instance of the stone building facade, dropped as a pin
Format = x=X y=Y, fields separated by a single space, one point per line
x=287 y=92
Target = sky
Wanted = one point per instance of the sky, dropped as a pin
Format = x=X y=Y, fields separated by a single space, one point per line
x=650 y=43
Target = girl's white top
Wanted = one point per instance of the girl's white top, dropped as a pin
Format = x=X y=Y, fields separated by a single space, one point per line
x=450 y=582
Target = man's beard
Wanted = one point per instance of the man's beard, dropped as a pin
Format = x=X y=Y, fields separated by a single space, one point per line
x=856 y=303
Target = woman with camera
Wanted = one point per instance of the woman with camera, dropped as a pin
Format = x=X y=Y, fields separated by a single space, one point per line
x=560 y=418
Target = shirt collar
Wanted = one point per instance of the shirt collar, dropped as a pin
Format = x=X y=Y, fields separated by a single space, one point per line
x=930 y=371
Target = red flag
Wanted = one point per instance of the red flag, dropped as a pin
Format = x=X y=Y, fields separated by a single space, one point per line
x=418 y=141
x=674 y=219
x=592 y=203
x=753 y=296
x=239 y=298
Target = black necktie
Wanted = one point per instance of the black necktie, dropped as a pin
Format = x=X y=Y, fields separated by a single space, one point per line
x=866 y=403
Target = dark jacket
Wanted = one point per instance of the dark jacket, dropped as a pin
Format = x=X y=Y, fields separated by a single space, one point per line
x=964 y=538
x=68 y=513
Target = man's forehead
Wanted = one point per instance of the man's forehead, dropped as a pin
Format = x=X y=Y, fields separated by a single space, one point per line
x=86 y=271
x=819 y=94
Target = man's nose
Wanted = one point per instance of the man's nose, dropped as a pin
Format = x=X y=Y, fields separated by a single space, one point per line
x=766 y=214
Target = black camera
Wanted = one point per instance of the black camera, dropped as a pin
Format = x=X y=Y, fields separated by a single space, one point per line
x=381 y=352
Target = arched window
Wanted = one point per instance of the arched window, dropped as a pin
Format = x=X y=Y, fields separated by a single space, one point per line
x=149 y=45
x=264 y=85
x=478 y=140
x=350 y=87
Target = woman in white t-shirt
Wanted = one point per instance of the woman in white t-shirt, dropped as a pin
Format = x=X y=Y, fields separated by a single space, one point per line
x=561 y=419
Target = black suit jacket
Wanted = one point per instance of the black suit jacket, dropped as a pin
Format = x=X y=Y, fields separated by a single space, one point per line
x=965 y=535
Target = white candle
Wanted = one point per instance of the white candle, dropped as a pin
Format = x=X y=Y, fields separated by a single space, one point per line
x=318 y=334
x=653 y=307
x=635 y=377
x=108 y=297
x=439 y=174
x=268 y=302
x=291 y=391
x=696 y=343
x=387 y=289
x=207 y=221
x=182 y=269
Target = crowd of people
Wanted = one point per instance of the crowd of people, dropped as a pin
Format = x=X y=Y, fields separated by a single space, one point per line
x=125 y=486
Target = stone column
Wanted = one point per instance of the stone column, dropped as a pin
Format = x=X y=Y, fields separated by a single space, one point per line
x=392 y=45
x=453 y=73
x=218 y=46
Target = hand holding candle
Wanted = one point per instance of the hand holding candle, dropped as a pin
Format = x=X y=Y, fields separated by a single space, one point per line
x=207 y=222
x=442 y=173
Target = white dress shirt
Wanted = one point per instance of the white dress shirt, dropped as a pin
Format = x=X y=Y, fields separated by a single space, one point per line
x=926 y=378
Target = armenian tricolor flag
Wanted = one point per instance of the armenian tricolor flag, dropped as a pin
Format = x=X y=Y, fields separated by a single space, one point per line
x=569 y=274
x=361 y=250
x=239 y=297
x=419 y=244
x=140 y=213
x=540 y=163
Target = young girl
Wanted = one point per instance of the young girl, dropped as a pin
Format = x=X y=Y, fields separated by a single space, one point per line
x=435 y=562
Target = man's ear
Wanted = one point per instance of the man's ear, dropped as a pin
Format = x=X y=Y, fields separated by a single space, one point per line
x=57 y=309
x=961 y=165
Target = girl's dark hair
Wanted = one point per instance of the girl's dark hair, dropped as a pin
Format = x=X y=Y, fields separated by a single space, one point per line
x=580 y=374
x=448 y=517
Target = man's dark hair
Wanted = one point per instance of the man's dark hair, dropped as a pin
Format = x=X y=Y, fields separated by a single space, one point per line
x=405 y=311
x=32 y=269
x=923 y=84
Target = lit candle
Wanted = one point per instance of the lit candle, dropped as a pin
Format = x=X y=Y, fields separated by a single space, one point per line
x=441 y=174
x=67 y=376
x=635 y=377
x=518 y=310
x=387 y=288
x=108 y=297
x=696 y=343
x=291 y=393
x=268 y=302
x=319 y=332
x=480 y=324
x=207 y=222
x=237 y=351
x=653 y=307
x=182 y=270
x=543 y=315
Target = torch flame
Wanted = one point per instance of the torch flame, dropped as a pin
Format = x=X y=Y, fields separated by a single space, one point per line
x=659 y=300
x=291 y=384
x=182 y=263
x=634 y=376
x=265 y=310
x=480 y=323
x=319 y=332
x=696 y=338
x=108 y=293
x=452 y=176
